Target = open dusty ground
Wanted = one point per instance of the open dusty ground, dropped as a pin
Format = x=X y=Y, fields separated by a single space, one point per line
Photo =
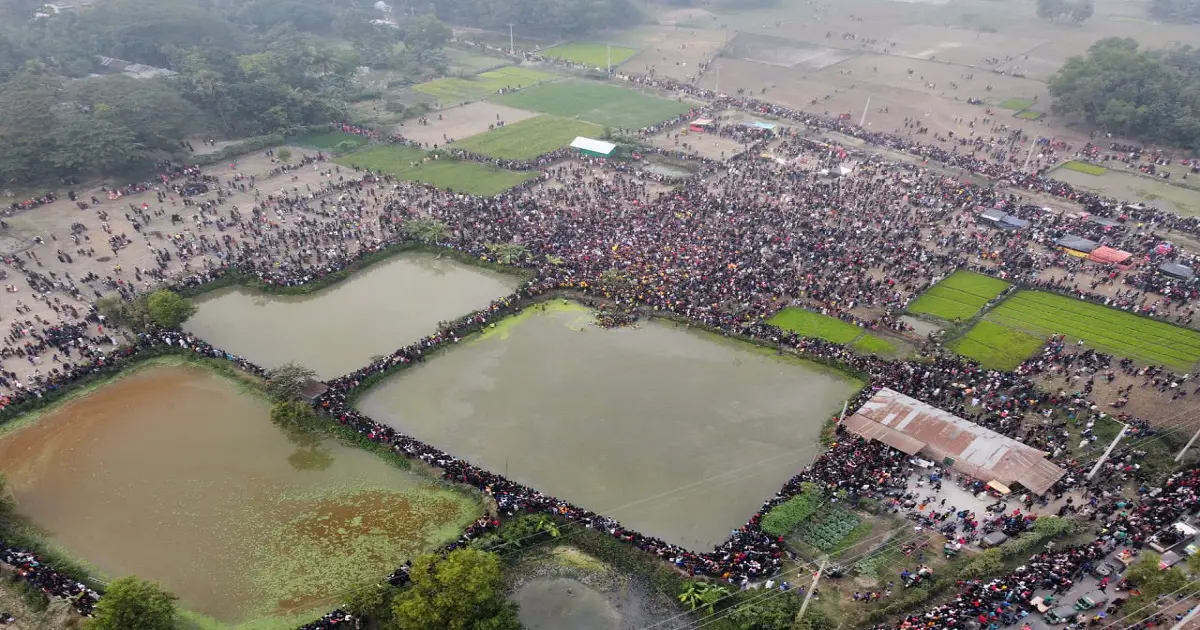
x=461 y=122
x=675 y=52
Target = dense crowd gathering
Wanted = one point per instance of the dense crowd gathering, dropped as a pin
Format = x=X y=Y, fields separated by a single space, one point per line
x=725 y=250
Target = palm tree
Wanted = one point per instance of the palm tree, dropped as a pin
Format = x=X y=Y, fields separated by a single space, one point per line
x=711 y=596
x=508 y=253
x=425 y=230
x=544 y=524
x=698 y=594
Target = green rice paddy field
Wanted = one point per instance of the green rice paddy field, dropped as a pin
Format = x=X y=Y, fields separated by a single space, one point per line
x=467 y=177
x=1009 y=327
x=529 y=138
x=959 y=296
x=1084 y=167
x=598 y=55
x=453 y=90
x=997 y=347
x=595 y=102
x=810 y=324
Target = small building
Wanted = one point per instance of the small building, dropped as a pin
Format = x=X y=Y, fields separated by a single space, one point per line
x=915 y=427
x=700 y=125
x=1076 y=245
x=1177 y=271
x=313 y=389
x=593 y=148
x=135 y=70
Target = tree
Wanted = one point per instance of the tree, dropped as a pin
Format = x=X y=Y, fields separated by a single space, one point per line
x=1081 y=10
x=465 y=591
x=425 y=230
x=1151 y=582
x=293 y=414
x=1180 y=11
x=168 y=309
x=285 y=382
x=119 y=312
x=508 y=253
x=701 y=594
x=284 y=155
x=130 y=603
x=1075 y=10
x=1149 y=95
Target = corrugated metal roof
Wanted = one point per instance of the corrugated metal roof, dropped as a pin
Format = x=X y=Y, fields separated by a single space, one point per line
x=596 y=146
x=905 y=422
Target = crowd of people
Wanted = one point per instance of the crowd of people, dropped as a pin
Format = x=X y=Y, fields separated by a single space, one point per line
x=724 y=250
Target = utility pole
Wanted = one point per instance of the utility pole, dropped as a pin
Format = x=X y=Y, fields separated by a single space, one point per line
x=808 y=595
x=866 y=107
x=1029 y=155
x=845 y=405
x=717 y=89
x=512 y=49
x=608 y=49
x=1100 y=462
x=1192 y=441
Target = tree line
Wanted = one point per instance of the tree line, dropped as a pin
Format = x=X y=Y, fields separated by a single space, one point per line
x=1153 y=95
x=541 y=18
x=242 y=69
x=1181 y=11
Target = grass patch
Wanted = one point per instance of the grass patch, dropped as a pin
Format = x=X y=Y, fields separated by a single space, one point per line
x=997 y=347
x=464 y=61
x=1015 y=103
x=600 y=103
x=329 y=140
x=1029 y=114
x=810 y=324
x=592 y=54
x=456 y=90
x=1105 y=329
x=959 y=296
x=466 y=177
x=529 y=138
x=830 y=528
x=1084 y=167
x=870 y=344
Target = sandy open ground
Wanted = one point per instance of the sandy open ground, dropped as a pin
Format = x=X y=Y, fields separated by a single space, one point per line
x=460 y=122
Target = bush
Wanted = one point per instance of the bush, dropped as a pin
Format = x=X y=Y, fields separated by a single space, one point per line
x=168 y=309
x=786 y=516
x=133 y=604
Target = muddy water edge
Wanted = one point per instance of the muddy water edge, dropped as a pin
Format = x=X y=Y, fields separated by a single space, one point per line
x=176 y=474
x=677 y=434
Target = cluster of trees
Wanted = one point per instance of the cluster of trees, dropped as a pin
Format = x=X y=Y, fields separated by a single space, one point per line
x=1145 y=94
x=163 y=308
x=1066 y=10
x=244 y=69
x=463 y=591
x=1181 y=11
x=539 y=18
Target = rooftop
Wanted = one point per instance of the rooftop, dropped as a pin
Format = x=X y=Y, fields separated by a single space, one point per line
x=915 y=427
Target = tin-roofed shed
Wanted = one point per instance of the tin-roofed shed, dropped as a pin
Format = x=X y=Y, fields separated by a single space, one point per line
x=916 y=427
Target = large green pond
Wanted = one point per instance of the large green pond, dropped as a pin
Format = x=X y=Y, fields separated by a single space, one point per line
x=677 y=434
x=339 y=329
x=177 y=475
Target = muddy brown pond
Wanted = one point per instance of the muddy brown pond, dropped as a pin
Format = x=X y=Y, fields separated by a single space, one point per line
x=677 y=434
x=337 y=330
x=175 y=474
